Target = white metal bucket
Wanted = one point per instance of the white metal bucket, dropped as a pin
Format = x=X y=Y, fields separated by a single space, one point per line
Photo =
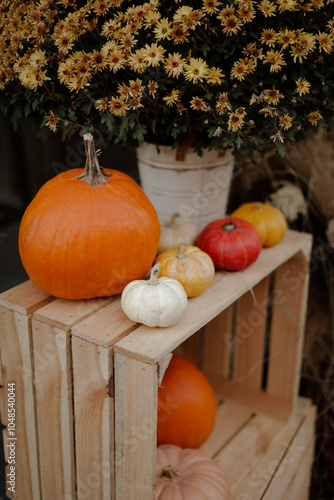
x=195 y=187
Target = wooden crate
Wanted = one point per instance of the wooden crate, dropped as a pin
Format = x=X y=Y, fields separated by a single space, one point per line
x=87 y=378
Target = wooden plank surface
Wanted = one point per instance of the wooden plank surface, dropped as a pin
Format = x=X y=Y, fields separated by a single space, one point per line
x=54 y=390
x=136 y=399
x=217 y=348
x=300 y=446
x=16 y=366
x=152 y=344
x=24 y=298
x=257 y=399
x=287 y=328
x=64 y=314
x=231 y=418
x=53 y=376
x=106 y=326
x=250 y=330
x=94 y=420
x=263 y=460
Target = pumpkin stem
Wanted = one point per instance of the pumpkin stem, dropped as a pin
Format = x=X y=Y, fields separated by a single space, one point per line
x=170 y=473
x=155 y=270
x=181 y=254
x=172 y=220
x=94 y=173
x=229 y=226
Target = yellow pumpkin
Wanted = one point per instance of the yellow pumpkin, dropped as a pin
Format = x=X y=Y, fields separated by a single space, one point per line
x=268 y=220
x=189 y=265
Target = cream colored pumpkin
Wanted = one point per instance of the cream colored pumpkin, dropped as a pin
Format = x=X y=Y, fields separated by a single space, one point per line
x=189 y=265
x=189 y=474
x=154 y=302
x=176 y=231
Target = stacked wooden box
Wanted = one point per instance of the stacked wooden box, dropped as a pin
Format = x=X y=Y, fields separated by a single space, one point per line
x=87 y=379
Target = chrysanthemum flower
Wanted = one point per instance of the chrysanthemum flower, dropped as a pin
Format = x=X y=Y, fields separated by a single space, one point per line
x=303 y=86
x=275 y=59
x=235 y=122
x=162 y=29
x=117 y=106
x=174 y=65
x=136 y=61
x=153 y=54
x=267 y=8
x=231 y=25
x=272 y=96
x=179 y=33
x=210 y=6
x=325 y=42
x=314 y=117
x=239 y=70
x=222 y=104
x=152 y=87
x=102 y=104
x=196 y=70
x=285 y=121
x=214 y=76
x=289 y=5
x=197 y=103
x=268 y=37
x=172 y=97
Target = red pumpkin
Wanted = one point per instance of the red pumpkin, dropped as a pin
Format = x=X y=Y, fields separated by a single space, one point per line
x=187 y=406
x=232 y=243
x=88 y=233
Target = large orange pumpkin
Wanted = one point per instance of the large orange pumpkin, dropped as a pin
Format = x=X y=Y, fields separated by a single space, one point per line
x=187 y=406
x=88 y=236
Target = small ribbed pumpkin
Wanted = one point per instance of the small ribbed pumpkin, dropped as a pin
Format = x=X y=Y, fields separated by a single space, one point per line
x=192 y=267
x=87 y=233
x=268 y=220
x=185 y=474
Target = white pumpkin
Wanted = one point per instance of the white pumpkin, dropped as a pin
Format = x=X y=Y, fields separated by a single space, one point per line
x=176 y=231
x=156 y=301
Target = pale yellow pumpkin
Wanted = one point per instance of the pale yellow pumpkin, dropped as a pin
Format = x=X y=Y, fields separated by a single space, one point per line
x=189 y=474
x=176 y=231
x=189 y=265
x=268 y=220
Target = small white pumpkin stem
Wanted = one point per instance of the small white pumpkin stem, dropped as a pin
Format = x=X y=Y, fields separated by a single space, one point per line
x=172 y=220
x=170 y=473
x=94 y=173
x=180 y=253
x=155 y=270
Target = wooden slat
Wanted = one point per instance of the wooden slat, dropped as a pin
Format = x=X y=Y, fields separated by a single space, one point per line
x=136 y=397
x=231 y=418
x=257 y=399
x=190 y=349
x=217 y=340
x=106 y=326
x=145 y=344
x=92 y=346
x=24 y=298
x=262 y=460
x=301 y=482
x=287 y=328
x=54 y=391
x=94 y=420
x=291 y=463
x=250 y=329
x=16 y=351
x=251 y=443
x=53 y=377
